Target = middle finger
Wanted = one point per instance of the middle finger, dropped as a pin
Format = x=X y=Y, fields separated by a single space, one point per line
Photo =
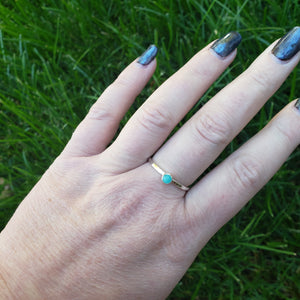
x=148 y=128
x=198 y=143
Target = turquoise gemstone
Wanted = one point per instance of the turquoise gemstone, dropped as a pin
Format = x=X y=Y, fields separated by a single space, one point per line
x=167 y=178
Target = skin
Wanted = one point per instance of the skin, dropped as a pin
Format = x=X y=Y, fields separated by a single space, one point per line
x=101 y=225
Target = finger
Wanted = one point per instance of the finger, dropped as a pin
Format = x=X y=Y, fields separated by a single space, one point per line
x=193 y=148
x=153 y=122
x=227 y=188
x=102 y=121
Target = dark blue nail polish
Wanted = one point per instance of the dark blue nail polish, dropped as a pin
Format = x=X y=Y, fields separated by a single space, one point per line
x=288 y=45
x=148 y=55
x=297 y=104
x=225 y=45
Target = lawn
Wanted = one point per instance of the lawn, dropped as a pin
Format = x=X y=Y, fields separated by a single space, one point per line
x=57 y=57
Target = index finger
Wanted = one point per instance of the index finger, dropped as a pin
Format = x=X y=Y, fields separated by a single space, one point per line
x=153 y=122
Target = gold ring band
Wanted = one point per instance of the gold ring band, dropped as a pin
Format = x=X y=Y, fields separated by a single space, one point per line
x=167 y=177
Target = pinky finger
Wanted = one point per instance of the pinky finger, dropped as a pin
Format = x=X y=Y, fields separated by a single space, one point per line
x=235 y=181
x=95 y=132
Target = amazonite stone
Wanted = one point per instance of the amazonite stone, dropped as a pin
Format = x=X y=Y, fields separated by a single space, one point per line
x=167 y=178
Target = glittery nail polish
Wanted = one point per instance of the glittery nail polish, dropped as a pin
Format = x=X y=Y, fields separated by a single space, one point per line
x=288 y=45
x=225 y=45
x=297 y=104
x=148 y=55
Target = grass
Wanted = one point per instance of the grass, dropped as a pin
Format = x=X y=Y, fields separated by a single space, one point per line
x=56 y=57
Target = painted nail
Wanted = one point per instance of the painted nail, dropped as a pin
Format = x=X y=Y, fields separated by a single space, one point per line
x=288 y=45
x=148 y=55
x=225 y=45
x=297 y=104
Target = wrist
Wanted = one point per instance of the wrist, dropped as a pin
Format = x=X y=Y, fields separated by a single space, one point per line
x=4 y=288
x=15 y=282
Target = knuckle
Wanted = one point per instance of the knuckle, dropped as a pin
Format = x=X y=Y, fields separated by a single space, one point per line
x=246 y=172
x=285 y=132
x=215 y=130
x=260 y=78
x=100 y=113
x=123 y=81
x=155 y=118
x=203 y=72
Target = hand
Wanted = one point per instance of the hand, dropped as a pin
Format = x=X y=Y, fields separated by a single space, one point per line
x=101 y=224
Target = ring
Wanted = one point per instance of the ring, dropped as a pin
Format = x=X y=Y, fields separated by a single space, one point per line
x=167 y=177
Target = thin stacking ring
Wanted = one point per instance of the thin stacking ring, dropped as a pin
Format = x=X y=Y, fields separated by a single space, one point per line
x=167 y=177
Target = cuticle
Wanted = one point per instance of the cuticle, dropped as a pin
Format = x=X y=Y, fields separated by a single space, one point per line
x=297 y=105
x=222 y=57
x=282 y=61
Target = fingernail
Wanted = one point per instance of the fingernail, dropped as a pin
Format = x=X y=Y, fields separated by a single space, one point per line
x=225 y=45
x=148 y=55
x=288 y=45
x=297 y=104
